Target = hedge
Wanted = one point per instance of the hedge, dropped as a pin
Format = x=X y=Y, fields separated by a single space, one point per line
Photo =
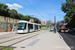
x=43 y=25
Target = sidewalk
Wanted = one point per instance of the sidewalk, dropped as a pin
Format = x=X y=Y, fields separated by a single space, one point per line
x=46 y=41
x=3 y=33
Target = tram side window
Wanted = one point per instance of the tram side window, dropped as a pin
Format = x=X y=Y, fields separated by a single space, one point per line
x=37 y=26
x=25 y=25
x=30 y=26
x=40 y=26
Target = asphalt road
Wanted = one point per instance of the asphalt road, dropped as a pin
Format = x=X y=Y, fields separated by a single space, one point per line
x=69 y=38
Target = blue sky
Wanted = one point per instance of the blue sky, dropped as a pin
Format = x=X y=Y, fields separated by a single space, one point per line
x=47 y=9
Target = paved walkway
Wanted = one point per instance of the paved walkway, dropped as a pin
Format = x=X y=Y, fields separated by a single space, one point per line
x=46 y=41
x=3 y=33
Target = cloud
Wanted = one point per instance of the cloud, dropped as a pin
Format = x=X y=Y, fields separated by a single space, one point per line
x=14 y=6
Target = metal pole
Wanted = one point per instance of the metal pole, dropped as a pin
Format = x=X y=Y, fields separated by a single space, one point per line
x=54 y=24
x=7 y=25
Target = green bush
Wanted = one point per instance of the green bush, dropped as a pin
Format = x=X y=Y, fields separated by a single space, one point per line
x=43 y=25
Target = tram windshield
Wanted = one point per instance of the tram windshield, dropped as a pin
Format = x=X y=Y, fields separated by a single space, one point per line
x=64 y=26
x=21 y=26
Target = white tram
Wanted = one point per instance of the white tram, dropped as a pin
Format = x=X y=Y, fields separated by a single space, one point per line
x=25 y=26
x=39 y=26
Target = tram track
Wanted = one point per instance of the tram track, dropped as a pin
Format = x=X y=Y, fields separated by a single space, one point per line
x=13 y=38
x=23 y=40
x=3 y=41
x=12 y=42
x=8 y=36
x=20 y=41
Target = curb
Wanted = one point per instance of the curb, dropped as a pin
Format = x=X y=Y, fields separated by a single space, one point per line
x=60 y=36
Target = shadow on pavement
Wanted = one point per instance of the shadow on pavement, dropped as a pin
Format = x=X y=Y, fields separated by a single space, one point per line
x=25 y=33
x=51 y=30
x=71 y=33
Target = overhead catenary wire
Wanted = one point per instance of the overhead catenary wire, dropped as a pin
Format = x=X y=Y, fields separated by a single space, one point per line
x=33 y=7
x=24 y=10
x=16 y=6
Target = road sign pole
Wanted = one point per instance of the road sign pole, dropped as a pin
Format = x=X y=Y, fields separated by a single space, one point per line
x=7 y=25
x=54 y=24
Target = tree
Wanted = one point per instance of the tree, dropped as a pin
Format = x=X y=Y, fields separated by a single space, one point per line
x=36 y=20
x=13 y=13
x=48 y=23
x=39 y=22
x=20 y=16
x=4 y=11
x=27 y=17
x=69 y=9
x=67 y=19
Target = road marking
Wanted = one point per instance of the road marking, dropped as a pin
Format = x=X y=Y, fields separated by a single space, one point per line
x=33 y=42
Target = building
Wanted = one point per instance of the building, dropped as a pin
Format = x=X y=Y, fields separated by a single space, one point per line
x=43 y=22
x=31 y=20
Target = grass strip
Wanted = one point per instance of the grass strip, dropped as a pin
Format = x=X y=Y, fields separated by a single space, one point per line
x=45 y=29
x=6 y=48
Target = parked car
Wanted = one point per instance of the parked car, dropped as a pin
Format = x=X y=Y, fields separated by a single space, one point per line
x=73 y=30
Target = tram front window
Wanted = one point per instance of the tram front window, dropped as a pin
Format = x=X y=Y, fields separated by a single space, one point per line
x=21 y=26
x=64 y=26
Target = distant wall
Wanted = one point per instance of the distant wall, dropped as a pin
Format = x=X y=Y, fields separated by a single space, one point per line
x=10 y=20
x=3 y=22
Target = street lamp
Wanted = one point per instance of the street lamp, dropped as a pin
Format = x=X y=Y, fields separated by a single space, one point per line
x=54 y=24
x=7 y=24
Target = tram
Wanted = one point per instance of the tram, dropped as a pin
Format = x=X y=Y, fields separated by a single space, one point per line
x=25 y=27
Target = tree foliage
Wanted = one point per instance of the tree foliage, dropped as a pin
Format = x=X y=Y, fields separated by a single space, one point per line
x=13 y=13
x=5 y=11
x=69 y=9
x=20 y=16
x=28 y=17
x=43 y=25
x=67 y=19
x=48 y=23
x=36 y=20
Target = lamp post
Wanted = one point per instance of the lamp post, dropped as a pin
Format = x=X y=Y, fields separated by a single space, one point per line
x=54 y=24
x=7 y=25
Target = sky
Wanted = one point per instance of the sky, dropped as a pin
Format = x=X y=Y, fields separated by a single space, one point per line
x=42 y=9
